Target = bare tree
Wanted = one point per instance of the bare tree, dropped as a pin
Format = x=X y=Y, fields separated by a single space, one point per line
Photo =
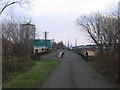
x=104 y=30
x=101 y=29
x=10 y=36
x=12 y=46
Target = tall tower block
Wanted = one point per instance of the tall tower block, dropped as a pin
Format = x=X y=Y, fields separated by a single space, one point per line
x=27 y=31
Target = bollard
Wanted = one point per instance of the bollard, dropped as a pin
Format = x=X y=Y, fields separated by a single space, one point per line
x=61 y=54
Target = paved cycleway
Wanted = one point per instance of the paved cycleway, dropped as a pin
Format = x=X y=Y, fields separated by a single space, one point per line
x=74 y=72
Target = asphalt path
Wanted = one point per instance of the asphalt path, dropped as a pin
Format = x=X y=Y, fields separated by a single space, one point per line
x=74 y=72
x=52 y=56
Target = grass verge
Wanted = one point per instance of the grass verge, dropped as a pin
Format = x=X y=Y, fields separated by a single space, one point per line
x=34 y=77
x=12 y=66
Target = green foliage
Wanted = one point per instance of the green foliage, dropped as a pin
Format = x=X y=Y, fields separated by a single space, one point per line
x=34 y=77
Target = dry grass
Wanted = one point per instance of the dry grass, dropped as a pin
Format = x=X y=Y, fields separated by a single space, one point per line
x=107 y=65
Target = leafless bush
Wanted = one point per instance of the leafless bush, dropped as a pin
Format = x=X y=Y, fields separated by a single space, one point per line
x=107 y=65
x=12 y=46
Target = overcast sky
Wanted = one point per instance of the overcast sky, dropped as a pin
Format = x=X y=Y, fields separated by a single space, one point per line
x=58 y=17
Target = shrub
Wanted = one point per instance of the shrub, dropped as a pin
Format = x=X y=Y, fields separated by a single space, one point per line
x=15 y=65
x=107 y=64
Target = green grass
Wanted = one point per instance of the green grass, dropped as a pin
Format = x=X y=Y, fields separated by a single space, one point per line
x=34 y=77
x=12 y=66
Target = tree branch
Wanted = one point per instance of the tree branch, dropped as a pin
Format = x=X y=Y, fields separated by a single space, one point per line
x=9 y=4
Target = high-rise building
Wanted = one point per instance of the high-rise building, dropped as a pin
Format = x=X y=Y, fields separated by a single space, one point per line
x=27 y=31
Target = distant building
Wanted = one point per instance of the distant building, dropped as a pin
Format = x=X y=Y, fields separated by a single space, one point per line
x=39 y=45
x=27 y=31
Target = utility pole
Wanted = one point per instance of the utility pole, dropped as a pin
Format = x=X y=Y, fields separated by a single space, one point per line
x=53 y=43
x=68 y=44
x=75 y=42
x=45 y=36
